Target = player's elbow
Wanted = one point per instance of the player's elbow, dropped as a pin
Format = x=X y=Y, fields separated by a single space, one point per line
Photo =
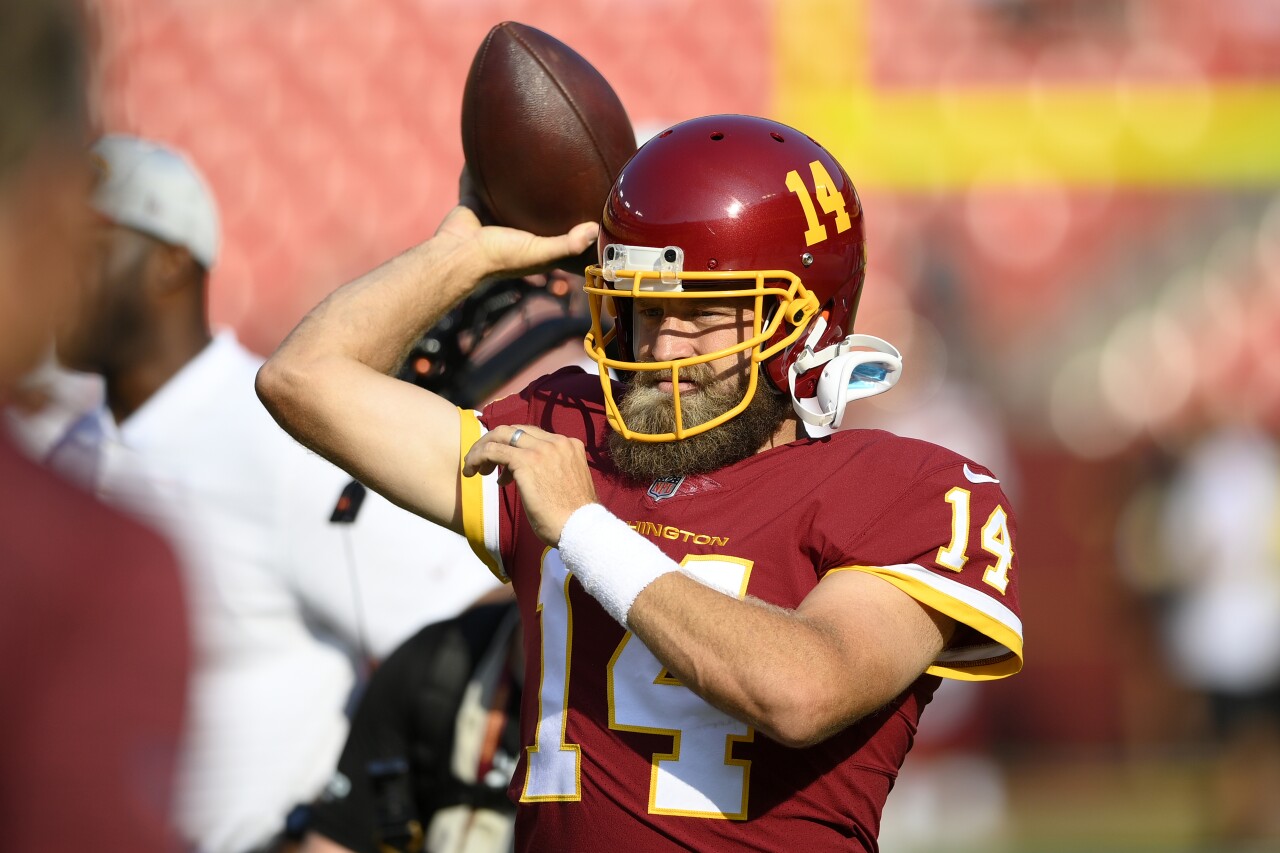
x=805 y=715
x=279 y=384
x=805 y=728
x=271 y=383
x=795 y=734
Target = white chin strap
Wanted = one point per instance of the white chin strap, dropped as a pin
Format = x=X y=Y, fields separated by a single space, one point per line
x=858 y=366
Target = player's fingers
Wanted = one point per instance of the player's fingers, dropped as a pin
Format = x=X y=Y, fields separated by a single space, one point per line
x=504 y=445
x=474 y=464
x=480 y=458
x=574 y=242
x=497 y=448
x=582 y=235
x=485 y=455
x=550 y=445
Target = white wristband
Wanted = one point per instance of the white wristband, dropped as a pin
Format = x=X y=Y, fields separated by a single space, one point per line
x=611 y=561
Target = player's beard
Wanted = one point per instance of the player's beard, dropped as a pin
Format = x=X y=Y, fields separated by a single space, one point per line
x=646 y=409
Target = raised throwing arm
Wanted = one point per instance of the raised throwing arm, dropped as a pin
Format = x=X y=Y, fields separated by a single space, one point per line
x=329 y=383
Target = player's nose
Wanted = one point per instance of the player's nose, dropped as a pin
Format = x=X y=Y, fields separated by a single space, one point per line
x=674 y=338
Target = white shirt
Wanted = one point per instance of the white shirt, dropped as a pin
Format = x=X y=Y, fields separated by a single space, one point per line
x=280 y=596
x=121 y=477
x=1220 y=534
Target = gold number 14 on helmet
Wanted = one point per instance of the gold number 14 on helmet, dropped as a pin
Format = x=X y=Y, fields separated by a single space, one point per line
x=830 y=200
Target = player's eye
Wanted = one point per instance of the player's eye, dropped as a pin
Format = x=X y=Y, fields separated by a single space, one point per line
x=714 y=313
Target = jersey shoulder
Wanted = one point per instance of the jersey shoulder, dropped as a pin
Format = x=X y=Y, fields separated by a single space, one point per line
x=939 y=526
x=901 y=469
x=881 y=449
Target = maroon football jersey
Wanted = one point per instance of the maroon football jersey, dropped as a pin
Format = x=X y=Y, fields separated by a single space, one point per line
x=617 y=750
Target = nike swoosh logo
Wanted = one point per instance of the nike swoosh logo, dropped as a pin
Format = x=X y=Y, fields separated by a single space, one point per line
x=973 y=477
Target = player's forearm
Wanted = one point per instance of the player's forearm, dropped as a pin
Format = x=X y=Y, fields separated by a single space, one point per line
x=328 y=367
x=374 y=319
x=762 y=664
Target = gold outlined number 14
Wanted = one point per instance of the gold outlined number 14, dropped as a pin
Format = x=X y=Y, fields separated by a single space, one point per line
x=996 y=541
x=829 y=199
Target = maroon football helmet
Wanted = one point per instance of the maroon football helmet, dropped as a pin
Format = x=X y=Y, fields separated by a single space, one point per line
x=733 y=206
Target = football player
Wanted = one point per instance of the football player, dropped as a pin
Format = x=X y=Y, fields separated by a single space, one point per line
x=733 y=614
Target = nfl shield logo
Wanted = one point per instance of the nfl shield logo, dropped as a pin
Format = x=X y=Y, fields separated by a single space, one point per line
x=664 y=487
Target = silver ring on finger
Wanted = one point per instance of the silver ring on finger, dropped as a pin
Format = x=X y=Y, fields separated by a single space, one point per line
x=515 y=436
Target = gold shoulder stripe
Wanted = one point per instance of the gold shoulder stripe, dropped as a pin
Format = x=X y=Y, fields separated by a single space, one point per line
x=472 y=492
x=1000 y=658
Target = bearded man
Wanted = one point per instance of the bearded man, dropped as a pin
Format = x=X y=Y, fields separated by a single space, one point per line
x=733 y=614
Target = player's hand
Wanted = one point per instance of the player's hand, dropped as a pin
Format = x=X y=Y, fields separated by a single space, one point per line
x=508 y=252
x=549 y=470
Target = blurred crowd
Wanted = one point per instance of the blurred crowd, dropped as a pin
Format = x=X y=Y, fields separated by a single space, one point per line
x=211 y=635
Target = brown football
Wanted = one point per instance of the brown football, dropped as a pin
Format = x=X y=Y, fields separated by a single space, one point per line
x=543 y=132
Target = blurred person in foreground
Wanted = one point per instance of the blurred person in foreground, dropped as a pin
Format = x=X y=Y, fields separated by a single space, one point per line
x=733 y=626
x=93 y=628
x=435 y=737
x=293 y=587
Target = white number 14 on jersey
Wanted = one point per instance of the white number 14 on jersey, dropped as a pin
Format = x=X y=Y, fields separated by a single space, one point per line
x=698 y=778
